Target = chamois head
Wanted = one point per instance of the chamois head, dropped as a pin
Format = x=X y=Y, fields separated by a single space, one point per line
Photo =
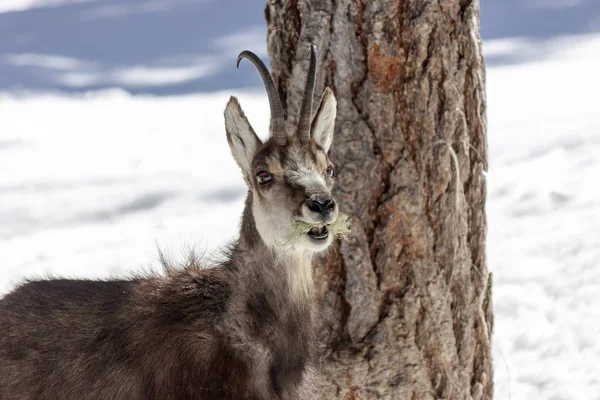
x=289 y=176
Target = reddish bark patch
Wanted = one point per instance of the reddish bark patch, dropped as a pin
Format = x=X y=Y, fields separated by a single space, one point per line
x=387 y=71
x=351 y=393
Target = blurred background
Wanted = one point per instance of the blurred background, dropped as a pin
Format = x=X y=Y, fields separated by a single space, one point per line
x=112 y=144
x=167 y=47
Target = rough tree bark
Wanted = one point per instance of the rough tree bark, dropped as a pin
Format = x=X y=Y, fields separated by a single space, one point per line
x=407 y=299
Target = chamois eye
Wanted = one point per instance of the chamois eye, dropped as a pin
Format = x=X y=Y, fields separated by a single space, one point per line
x=330 y=171
x=263 y=177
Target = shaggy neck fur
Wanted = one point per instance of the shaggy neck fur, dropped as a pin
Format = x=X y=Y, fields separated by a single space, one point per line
x=235 y=331
x=289 y=266
x=272 y=299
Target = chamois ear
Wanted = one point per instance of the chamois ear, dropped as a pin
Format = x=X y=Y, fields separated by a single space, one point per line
x=241 y=137
x=324 y=120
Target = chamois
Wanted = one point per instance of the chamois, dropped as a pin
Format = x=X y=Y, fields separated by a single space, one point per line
x=244 y=329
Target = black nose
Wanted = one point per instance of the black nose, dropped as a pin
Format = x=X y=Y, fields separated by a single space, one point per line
x=321 y=205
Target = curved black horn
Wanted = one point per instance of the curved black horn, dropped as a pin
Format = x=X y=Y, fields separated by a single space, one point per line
x=303 y=131
x=277 y=118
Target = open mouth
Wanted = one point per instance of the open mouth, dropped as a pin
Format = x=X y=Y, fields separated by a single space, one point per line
x=318 y=233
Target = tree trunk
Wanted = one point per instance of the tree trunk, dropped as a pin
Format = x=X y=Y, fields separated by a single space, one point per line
x=407 y=298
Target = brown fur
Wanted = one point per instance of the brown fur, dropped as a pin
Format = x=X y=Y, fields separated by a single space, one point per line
x=228 y=332
x=241 y=330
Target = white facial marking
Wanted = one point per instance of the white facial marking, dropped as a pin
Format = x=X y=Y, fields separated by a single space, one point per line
x=274 y=227
x=304 y=172
x=273 y=223
x=308 y=178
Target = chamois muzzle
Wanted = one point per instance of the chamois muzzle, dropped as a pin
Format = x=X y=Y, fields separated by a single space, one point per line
x=321 y=205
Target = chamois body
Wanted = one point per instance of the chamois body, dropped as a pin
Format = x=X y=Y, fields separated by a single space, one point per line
x=244 y=329
x=227 y=332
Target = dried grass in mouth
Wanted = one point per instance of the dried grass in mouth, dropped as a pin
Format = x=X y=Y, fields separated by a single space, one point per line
x=340 y=228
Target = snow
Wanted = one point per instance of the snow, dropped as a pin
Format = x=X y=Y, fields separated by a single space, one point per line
x=163 y=47
x=22 y=5
x=91 y=184
x=544 y=222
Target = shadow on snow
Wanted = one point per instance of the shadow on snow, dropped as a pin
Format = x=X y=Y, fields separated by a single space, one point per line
x=168 y=47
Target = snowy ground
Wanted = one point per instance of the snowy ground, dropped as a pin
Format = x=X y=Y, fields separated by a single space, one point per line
x=91 y=184
x=544 y=220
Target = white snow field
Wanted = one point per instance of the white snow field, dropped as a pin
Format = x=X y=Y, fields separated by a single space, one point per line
x=91 y=184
